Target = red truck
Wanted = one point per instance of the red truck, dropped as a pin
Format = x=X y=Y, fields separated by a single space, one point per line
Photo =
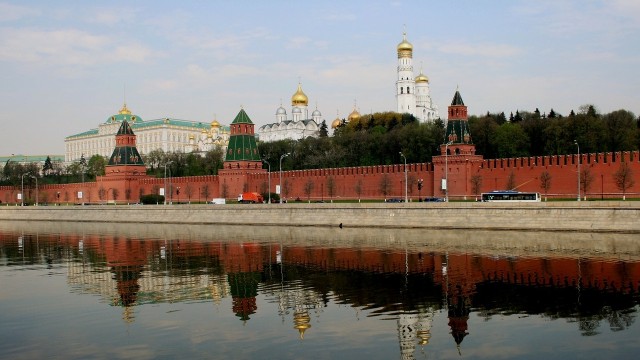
x=250 y=198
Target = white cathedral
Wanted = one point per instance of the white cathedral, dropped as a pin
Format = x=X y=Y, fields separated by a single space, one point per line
x=412 y=94
x=299 y=126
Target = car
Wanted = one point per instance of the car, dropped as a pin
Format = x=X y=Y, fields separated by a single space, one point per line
x=433 y=199
x=394 y=200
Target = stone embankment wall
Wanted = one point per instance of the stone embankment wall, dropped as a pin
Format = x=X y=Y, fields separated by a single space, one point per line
x=606 y=216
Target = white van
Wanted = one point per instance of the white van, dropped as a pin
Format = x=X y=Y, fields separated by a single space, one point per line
x=218 y=201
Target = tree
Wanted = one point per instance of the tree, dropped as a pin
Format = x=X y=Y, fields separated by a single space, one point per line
x=101 y=193
x=623 y=178
x=586 y=179
x=331 y=187
x=96 y=166
x=324 y=132
x=476 y=184
x=205 y=191
x=308 y=188
x=510 y=141
x=621 y=131
x=188 y=189
x=358 y=188
x=46 y=169
x=116 y=194
x=385 y=185
x=545 y=183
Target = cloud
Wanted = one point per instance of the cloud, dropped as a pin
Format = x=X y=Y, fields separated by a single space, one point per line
x=65 y=47
x=10 y=12
x=298 y=42
x=485 y=50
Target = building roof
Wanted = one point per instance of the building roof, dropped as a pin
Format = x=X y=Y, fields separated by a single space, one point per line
x=457 y=99
x=242 y=118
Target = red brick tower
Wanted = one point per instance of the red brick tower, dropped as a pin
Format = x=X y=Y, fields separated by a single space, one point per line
x=458 y=162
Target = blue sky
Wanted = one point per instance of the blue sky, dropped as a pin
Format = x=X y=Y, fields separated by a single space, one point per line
x=66 y=66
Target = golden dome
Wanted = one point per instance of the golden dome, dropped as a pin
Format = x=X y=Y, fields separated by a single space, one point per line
x=215 y=124
x=355 y=115
x=405 y=49
x=204 y=131
x=422 y=78
x=191 y=137
x=124 y=110
x=299 y=98
x=336 y=123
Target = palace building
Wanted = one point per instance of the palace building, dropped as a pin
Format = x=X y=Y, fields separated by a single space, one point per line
x=412 y=93
x=167 y=134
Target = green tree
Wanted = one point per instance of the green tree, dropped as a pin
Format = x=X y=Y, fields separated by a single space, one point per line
x=510 y=141
x=48 y=166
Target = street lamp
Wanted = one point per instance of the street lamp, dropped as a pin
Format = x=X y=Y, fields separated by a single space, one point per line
x=22 y=189
x=269 y=173
x=405 y=177
x=420 y=181
x=446 y=171
x=165 y=181
x=576 y=143
x=36 y=188
x=282 y=157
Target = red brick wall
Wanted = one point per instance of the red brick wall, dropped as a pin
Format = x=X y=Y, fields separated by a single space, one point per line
x=461 y=168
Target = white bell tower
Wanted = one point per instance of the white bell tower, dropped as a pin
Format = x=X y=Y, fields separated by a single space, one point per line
x=405 y=85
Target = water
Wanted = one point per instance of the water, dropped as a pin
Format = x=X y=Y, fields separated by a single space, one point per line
x=108 y=291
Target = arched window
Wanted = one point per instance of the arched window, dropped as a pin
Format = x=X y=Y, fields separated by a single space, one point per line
x=401 y=90
x=408 y=92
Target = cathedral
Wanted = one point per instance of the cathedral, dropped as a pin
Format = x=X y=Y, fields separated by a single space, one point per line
x=299 y=126
x=412 y=93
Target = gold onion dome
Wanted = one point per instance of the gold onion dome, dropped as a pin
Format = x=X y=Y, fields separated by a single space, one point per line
x=124 y=110
x=355 y=115
x=299 y=98
x=405 y=49
x=422 y=78
x=336 y=123
x=215 y=124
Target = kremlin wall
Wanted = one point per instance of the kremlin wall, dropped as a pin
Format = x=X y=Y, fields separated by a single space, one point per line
x=468 y=174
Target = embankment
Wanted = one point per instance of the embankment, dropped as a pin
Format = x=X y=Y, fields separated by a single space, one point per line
x=605 y=216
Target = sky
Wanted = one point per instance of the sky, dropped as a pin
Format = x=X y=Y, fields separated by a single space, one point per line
x=67 y=66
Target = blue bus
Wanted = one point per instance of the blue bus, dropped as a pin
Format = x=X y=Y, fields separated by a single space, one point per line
x=511 y=196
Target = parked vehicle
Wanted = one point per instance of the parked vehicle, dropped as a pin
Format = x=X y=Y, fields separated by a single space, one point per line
x=218 y=201
x=250 y=198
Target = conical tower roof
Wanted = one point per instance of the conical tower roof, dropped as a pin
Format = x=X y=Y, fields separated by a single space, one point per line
x=125 y=152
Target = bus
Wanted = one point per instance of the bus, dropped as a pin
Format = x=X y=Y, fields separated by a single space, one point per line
x=511 y=196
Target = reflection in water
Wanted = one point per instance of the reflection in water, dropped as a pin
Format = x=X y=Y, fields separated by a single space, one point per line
x=409 y=276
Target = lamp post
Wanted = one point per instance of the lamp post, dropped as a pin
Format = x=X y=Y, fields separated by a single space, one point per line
x=420 y=181
x=165 y=181
x=446 y=171
x=36 y=189
x=269 y=173
x=282 y=157
x=22 y=189
x=576 y=143
x=405 y=177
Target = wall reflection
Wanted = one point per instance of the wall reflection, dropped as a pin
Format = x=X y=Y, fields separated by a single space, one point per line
x=410 y=275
